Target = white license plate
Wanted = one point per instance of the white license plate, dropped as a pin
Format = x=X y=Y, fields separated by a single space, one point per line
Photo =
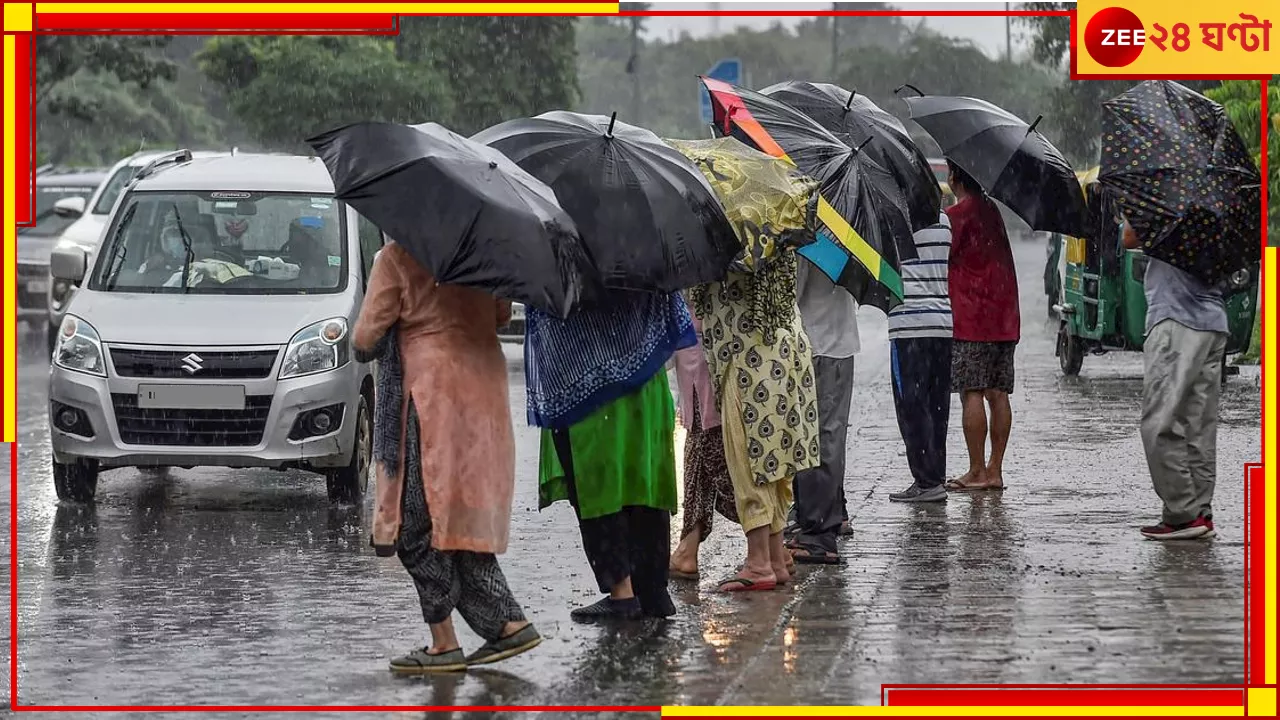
x=191 y=397
x=38 y=287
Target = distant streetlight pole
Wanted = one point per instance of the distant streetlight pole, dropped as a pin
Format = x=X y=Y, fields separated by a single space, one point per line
x=835 y=42
x=1008 y=34
x=635 y=70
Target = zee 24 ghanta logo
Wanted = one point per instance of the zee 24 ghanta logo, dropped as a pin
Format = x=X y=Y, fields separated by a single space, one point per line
x=1115 y=37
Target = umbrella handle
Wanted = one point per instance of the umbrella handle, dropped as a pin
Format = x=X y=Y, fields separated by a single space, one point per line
x=1034 y=124
x=908 y=85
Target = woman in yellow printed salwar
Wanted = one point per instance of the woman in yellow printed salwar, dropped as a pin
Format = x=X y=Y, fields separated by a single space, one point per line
x=756 y=348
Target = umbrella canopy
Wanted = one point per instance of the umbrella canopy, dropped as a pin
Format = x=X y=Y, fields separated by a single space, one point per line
x=1183 y=178
x=461 y=209
x=854 y=118
x=864 y=230
x=648 y=218
x=1013 y=162
x=770 y=204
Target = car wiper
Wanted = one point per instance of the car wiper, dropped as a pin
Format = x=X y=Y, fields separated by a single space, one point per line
x=189 y=255
x=118 y=249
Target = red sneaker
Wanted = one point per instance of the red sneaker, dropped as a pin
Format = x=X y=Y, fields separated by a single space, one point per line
x=1208 y=521
x=1186 y=531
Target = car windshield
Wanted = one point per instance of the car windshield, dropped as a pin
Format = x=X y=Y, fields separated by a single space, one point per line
x=224 y=243
x=48 y=223
x=114 y=187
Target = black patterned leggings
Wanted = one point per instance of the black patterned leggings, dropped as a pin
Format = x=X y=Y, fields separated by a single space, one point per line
x=471 y=583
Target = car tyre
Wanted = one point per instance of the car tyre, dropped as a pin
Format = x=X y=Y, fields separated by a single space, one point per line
x=1070 y=353
x=76 y=481
x=347 y=485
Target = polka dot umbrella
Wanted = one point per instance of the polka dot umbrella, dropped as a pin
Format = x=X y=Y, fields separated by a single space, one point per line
x=1183 y=177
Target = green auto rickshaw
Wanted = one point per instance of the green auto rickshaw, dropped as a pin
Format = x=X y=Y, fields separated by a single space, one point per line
x=1098 y=294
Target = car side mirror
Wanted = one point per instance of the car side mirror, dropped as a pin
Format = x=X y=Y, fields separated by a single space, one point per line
x=68 y=263
x=69 y=207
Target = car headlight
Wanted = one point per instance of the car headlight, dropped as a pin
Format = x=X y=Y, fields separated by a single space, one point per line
x=317 y=348
x=1240 y=278
x=79 y=348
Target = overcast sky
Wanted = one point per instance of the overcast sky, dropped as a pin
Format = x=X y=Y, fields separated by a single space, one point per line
x=987 y=32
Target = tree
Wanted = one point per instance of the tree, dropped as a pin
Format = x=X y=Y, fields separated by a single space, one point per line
x=129 y=59
x=286 y=88
x=1075 y=107
x=100 y=97
x=498 y=67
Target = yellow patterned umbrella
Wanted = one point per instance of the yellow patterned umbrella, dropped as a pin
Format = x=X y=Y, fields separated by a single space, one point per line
x=770 y=204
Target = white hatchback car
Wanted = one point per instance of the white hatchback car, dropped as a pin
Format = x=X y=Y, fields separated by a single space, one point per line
x=211 y=328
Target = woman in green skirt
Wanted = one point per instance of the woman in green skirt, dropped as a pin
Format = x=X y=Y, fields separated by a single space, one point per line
x=597 y=386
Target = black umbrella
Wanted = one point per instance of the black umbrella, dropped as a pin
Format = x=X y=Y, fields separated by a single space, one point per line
x=648 y=218
x=461 y=209
x=854 y=118
x=1183 y=177
x=865 y=230
x=1013 y=162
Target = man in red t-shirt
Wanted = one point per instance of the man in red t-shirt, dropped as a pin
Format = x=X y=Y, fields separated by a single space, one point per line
x=984 y=307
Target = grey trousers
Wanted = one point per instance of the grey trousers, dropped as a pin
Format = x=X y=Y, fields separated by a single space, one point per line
x=470 y=582
x=819 y=492
x=1181 y=386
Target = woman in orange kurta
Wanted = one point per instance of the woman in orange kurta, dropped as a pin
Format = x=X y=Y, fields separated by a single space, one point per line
x=444 y=492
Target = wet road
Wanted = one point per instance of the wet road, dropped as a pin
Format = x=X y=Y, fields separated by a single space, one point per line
x=244 y=587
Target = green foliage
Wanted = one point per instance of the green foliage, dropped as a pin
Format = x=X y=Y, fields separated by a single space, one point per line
x=497 y=68
x=101 y=97
x=287 y=88
x=1242 y=101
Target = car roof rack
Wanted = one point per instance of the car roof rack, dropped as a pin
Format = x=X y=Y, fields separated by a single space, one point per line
x=176 y=157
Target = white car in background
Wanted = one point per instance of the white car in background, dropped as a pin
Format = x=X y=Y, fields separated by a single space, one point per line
x=91 y=220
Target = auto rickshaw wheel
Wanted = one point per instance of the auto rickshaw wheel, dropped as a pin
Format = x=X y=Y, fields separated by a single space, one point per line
x=1070 y=352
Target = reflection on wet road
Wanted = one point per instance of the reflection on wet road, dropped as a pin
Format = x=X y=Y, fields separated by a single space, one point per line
x=211 y=586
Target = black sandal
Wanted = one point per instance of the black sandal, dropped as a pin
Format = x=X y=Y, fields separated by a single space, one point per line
x=420 y=662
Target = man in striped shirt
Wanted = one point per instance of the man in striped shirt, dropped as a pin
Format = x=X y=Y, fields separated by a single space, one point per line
x=920 y=346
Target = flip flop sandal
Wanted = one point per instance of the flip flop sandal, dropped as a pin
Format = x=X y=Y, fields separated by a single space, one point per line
x=681 y=574
x=813 y=556
x=524 y=639
x=741 y=584
x=420 y=662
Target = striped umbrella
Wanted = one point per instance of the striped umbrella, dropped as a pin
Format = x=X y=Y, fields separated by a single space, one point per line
x=864 y=225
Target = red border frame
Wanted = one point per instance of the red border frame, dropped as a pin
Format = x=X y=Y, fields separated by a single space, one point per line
x=381 y=24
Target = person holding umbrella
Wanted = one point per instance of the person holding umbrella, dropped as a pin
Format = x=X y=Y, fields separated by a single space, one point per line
x=1186 y=337
x=756 y=347
x=597 y=386
x=444 y=480
x=983 y=290
x=1189 y=194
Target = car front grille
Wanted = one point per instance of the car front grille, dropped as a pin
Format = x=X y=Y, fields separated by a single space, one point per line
x=237 y=365
x=193 y=428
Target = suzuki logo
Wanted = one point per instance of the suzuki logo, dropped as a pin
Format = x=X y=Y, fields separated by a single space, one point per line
x=193 y=364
